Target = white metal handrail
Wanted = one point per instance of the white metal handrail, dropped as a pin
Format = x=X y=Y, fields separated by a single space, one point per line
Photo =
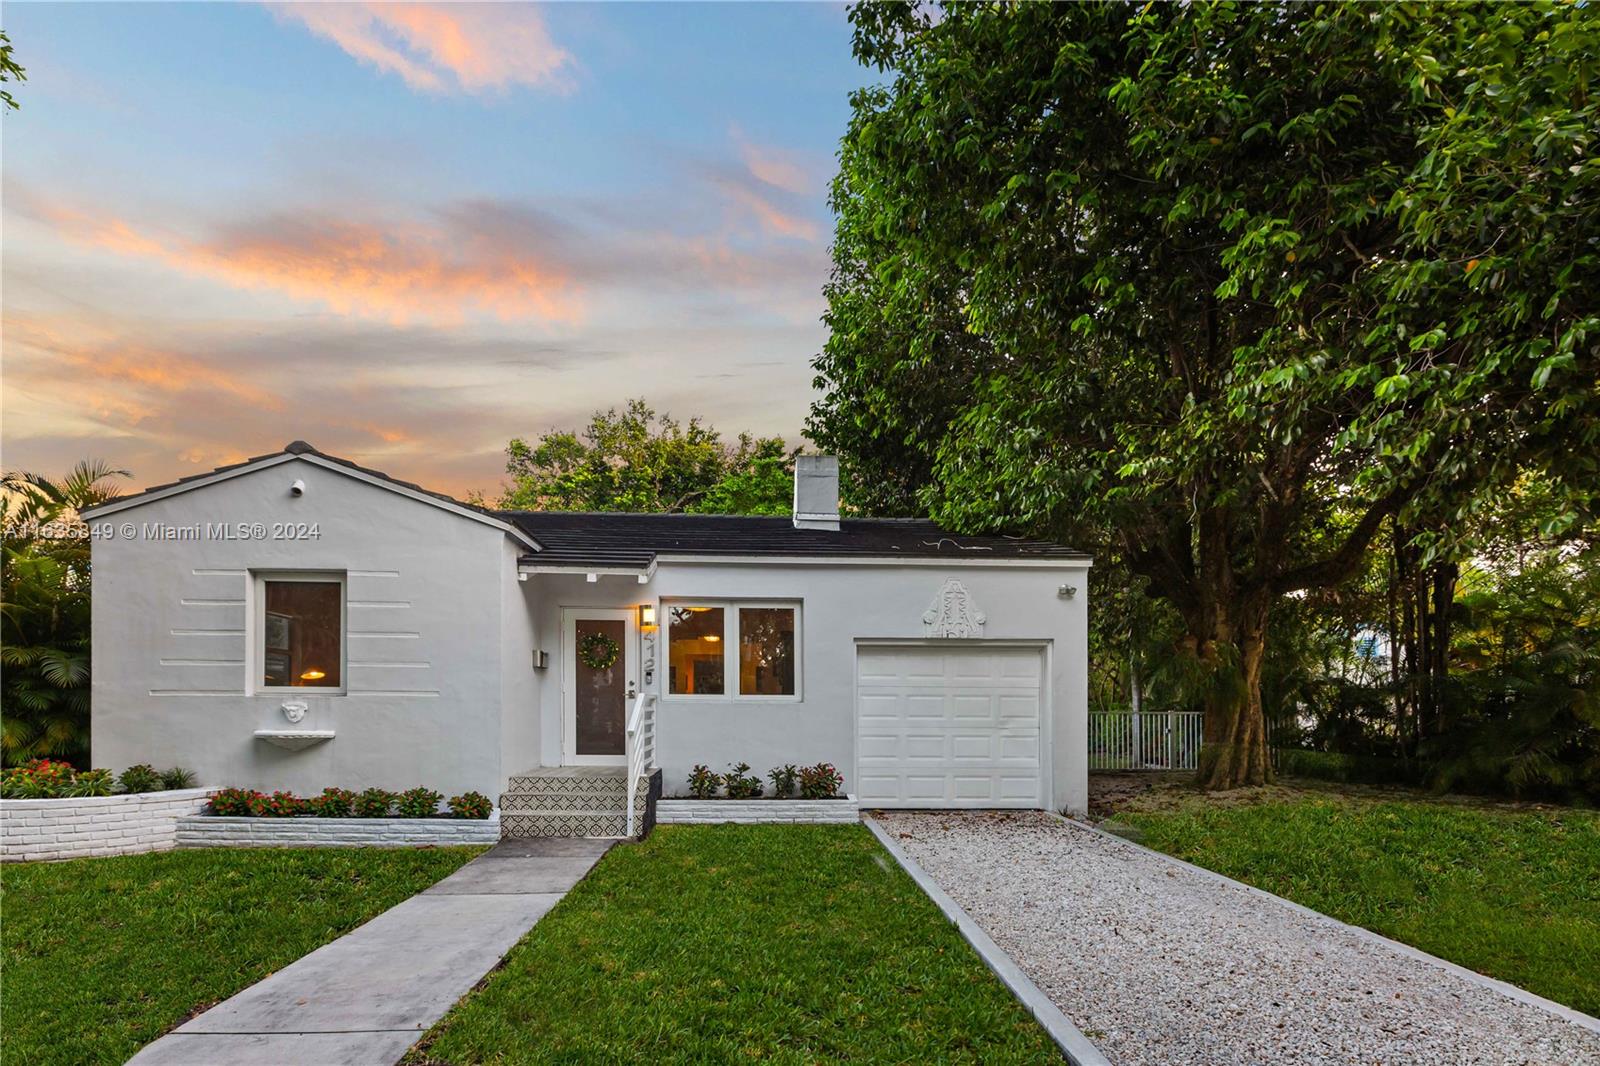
x=1145 y=740
x=640 y=741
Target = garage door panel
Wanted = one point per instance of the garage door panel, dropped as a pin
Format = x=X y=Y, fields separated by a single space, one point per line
x=1023 y=706
x=941 y=725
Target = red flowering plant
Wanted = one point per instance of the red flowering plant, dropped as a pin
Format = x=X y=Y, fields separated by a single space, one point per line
x=821 y=781
x=234 y=802
x=52 y=779
x=333 y=803
x=470 y=805
x=374 y=803
x=277 y=805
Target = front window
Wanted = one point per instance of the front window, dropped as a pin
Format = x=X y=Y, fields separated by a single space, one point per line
x=732 y=649
x=695 y=648
x=766 y=651
x=302 y=632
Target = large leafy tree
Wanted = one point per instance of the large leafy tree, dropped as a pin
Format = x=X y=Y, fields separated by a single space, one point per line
x=10 y=71
x=44 y=611
x=1240 y=284
x=636 y=460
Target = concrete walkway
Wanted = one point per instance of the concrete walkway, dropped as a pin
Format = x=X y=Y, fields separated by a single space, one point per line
x=365 y=998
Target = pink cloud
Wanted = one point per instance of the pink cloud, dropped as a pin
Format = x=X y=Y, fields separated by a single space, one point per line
x=774 y=166
x=398 y=272
x=442 y=47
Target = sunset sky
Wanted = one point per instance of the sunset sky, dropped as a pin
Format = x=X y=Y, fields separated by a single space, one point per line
x=409 y=233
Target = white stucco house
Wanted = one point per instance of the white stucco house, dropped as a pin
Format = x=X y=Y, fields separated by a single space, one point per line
x=297 y=621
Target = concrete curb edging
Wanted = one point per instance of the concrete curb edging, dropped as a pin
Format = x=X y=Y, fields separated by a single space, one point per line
x=1505 y=988
x=77 y=827
x=1073 y=1044
x=679 y=811
x=218 y=831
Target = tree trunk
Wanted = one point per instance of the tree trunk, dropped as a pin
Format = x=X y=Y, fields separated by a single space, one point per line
x=1234 y=752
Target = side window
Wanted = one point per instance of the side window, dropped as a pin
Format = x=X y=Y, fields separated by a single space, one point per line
x=300 y=632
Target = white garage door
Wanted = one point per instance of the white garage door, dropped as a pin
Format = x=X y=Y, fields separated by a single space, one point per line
x=949 y=726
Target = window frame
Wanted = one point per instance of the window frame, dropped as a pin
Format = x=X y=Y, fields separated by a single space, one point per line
x=256 y=632
x=731 y=666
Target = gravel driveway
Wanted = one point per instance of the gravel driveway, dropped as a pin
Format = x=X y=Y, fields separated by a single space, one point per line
x=1159 y=964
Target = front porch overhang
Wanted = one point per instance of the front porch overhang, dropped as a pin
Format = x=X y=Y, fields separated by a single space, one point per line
x=641 y=574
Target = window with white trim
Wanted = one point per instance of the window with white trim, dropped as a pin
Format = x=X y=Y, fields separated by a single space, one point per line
x=299 y=632
x=747 y=650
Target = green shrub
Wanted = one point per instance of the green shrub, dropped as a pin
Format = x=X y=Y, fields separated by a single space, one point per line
x=277 y=805
x=90 y=783
x=1347 y=769
x=703 y=784
x=470 y=805
x=177 y=777
x=374 y=803
x=821 y=781
x=141 y=777
x=333 y=803
x=233 y=802
x=741 y=784
x=783 y=780
x=418 y=803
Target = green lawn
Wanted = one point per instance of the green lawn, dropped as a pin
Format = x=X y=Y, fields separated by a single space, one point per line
x=102 y=956
x=1511 y=894
x=742 y=943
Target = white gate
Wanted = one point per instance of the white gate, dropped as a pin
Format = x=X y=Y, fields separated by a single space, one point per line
x=1144 y=740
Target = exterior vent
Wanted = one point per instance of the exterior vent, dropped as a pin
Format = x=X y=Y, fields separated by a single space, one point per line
x=816 y=492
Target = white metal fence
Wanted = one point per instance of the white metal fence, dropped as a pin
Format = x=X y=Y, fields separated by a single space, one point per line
x=1144 y=740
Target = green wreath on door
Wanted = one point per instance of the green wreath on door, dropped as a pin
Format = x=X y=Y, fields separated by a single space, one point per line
x=597 y=651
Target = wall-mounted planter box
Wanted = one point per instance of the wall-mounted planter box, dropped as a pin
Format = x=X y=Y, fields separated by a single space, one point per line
x=747 y=812
x=42 y=829
x=294 y=739
x=213 y=831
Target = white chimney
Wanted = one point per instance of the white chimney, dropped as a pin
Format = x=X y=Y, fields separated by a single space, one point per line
x=816 y=492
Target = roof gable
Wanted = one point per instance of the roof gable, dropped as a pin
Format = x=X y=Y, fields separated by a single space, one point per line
x=299 y=450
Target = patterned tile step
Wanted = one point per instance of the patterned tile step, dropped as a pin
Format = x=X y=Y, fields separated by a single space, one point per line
x=536 y=803
x=577 y=786
x=534 y=778
x=567 y=824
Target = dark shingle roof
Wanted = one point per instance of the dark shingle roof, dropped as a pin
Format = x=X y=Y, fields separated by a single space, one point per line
x=606 y=540
x=602 y=539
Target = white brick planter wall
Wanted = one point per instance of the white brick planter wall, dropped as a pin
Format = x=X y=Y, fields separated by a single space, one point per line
x=95 y=825
x=747 y=812
x=211 y=831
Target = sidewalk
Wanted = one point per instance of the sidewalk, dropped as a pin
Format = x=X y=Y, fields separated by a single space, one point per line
x=365 y=998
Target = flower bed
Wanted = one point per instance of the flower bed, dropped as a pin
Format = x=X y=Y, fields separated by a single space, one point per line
x=82 y=826
x=340 y=817
x=819 y=782
x=339 y=803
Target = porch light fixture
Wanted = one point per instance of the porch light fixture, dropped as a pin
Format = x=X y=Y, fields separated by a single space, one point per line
x=313 y=674
x=647 y=616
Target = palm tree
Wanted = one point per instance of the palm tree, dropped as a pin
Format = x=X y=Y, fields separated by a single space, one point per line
x=44 y=611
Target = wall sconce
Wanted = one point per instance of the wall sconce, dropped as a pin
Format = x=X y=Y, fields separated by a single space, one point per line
x=541 y=660
x=647 y=617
